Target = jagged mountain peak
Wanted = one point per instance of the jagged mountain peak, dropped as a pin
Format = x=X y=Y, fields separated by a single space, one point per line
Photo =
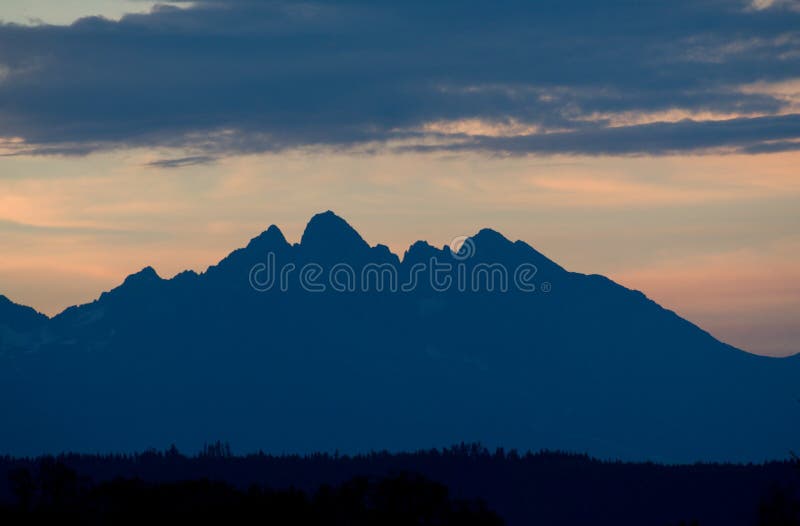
x=490 y=234
x=420 y=251
x=147 y=274
x=327 y=232
x=270 y=238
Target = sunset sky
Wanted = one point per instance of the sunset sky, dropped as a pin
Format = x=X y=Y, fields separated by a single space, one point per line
x=657 y=143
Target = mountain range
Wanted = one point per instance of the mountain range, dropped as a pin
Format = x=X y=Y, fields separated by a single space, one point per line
x=254 y=352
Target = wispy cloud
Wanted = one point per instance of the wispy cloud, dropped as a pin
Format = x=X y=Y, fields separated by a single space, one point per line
x=181 y=162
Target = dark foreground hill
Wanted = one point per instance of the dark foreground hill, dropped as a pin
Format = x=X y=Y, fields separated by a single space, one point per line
x=427 y=487
x=333 y=344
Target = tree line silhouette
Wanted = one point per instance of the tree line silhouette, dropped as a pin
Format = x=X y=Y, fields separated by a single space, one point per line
x=393 y=501
x=465 y=484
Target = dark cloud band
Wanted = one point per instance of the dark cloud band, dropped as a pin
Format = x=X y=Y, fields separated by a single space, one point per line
x=242 y=76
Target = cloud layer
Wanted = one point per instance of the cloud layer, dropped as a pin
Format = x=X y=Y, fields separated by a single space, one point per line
x=508 y=77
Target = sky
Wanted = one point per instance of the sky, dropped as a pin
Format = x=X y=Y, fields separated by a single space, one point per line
x=656 y=143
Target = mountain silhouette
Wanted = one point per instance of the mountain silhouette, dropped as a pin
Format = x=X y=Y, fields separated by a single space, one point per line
x=18 y=317
x=19 y=325
x=329 y=235
x=387 y=357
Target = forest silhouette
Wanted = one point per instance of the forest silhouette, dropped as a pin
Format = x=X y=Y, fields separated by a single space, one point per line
x=465 y=484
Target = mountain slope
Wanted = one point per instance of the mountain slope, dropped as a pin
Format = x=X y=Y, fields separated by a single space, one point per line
x=19 y=317
x=427 y=351
x=19 y=325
